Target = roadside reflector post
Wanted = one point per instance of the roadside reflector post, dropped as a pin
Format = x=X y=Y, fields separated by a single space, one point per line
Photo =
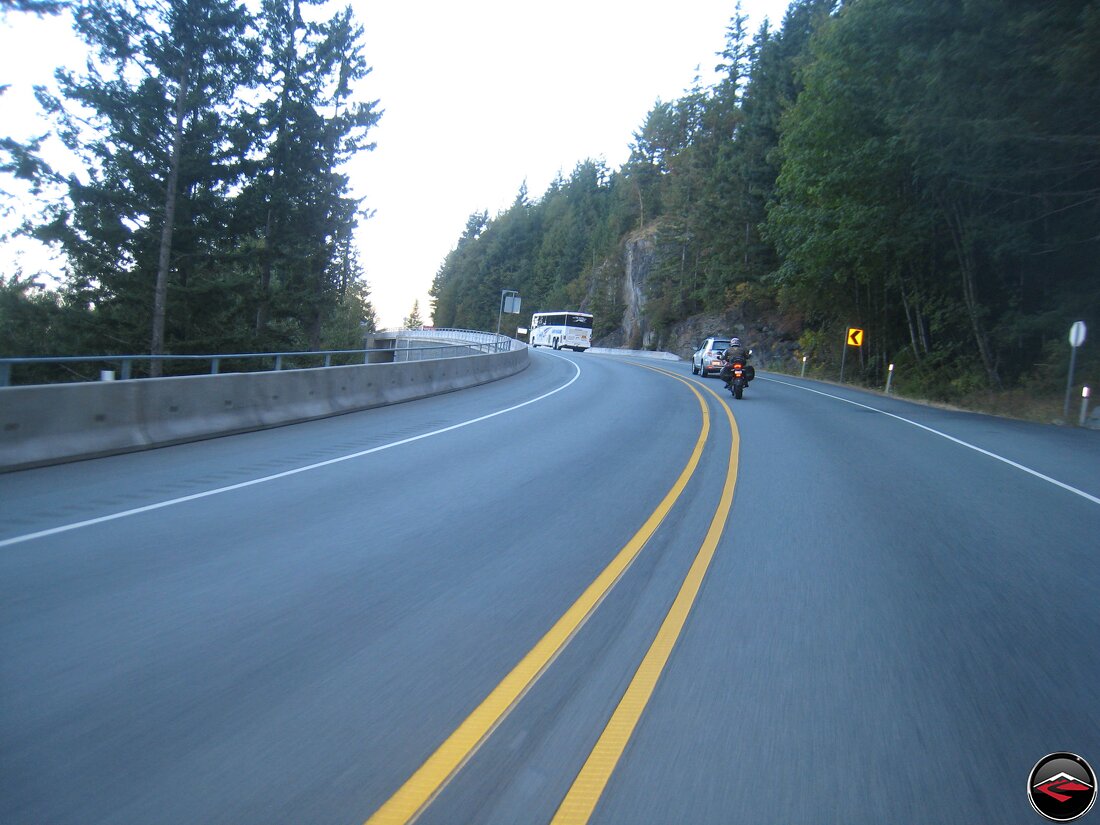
x=889 y=378
x=803 y=366
x=1084 y=406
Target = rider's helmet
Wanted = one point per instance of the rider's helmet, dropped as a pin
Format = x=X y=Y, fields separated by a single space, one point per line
x=735 y=342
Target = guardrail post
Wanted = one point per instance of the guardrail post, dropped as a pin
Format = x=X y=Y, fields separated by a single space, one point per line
x=5 y=374
x=328 y=359
x=278 y=362
x=215 y=365
x=126 y=369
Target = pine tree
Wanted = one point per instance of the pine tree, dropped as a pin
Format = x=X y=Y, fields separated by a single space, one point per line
x=39 y=7
x=412 y=320
x=214 y=197
x=162 y=93
x=298 y=209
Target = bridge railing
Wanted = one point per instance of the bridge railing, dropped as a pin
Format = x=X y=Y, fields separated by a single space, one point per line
x=452 y=344
x=472 y=335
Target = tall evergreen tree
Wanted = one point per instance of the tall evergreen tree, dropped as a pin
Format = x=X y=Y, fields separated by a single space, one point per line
x=298 y=207
x=39 y=7
x=413 y=319
x=938 y=181
x=154 y=120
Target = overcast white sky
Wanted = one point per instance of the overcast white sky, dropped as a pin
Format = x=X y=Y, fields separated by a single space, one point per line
x=478 y=97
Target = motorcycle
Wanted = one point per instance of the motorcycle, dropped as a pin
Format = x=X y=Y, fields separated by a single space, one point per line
x=738 y=380
x=740 y=374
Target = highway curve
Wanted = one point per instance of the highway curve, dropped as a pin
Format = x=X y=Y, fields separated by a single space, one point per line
x=598 y=591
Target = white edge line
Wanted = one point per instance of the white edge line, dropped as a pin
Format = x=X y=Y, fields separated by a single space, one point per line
x=65 y=528
x=977 y=449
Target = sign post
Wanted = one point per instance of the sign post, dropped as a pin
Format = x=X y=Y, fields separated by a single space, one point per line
x=509 y=302
x=854 y=339
x=1076 y=339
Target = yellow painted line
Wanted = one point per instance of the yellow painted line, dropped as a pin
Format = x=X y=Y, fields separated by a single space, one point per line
x=588 y=787
x=430 y=778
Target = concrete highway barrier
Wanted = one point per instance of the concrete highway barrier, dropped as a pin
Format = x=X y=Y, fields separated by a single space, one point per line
x=49 y=424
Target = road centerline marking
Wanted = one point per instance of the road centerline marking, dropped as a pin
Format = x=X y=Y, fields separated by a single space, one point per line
x=429 y=780
x=585 y=792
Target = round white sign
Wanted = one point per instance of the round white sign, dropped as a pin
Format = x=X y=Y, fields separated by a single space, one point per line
x=1077 y=334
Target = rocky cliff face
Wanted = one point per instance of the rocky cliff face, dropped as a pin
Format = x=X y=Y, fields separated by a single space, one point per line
x=772 y=339
x=640 y=255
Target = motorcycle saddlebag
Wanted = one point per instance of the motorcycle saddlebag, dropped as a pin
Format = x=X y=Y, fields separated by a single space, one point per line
x=750 y=372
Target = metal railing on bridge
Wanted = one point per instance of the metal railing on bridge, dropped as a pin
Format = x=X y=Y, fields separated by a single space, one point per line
x=408 y=345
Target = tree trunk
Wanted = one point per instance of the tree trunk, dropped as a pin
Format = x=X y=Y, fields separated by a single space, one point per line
x=290 y=73
x=909 y=321
x=922 y=328
x=317 y=309
x=263 y=311
x=970 y=294
x=160 y=294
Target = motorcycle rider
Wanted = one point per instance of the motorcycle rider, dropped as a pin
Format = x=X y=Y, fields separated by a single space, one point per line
x=736 y=352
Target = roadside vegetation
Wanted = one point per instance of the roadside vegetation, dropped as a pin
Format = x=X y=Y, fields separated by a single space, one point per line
x=925 y=170
x=210 y=212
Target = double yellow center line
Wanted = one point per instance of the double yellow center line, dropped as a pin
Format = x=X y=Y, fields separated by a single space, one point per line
x=430 y=779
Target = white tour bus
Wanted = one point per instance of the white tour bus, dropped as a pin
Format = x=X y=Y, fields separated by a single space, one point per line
x=561 y=330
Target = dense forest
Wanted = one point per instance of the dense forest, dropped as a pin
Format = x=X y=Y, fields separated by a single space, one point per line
x=926 y=170
x=211 y=214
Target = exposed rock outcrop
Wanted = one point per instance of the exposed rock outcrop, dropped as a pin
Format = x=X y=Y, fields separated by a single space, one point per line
x=763 y=332
x=772 y=340
x=640 y=256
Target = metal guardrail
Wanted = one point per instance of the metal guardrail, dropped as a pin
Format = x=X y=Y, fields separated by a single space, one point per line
x=447 y=333
x=461 y=342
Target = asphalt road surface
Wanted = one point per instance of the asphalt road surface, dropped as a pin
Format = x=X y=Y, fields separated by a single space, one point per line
x=598 y=591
